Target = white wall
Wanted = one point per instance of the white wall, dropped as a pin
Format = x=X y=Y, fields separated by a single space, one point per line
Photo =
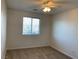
x=16 y=40
x=3 y=28
x=64 y=33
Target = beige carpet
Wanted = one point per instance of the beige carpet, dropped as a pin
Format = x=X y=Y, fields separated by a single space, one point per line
x=35 y=53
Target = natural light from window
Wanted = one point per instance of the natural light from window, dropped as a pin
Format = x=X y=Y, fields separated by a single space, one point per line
x=31 y=26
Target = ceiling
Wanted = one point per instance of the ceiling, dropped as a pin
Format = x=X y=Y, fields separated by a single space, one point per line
x=35 y=5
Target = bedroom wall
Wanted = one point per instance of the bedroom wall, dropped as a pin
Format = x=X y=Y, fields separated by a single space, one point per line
x=16 y=40
x=3 y=28
x=64 y=32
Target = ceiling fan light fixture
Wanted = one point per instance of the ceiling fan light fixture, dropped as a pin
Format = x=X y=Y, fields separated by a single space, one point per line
x=47 y=9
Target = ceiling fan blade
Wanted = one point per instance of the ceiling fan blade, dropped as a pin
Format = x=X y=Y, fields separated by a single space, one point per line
x=58 y=1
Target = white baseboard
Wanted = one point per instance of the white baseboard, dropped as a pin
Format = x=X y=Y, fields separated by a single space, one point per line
x=73 y=57
x=61 y=51
x=27 y=47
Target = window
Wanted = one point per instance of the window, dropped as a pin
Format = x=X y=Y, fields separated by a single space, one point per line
x=30 y=26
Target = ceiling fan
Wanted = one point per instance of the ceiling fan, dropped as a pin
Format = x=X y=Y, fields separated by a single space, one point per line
x=48 y=5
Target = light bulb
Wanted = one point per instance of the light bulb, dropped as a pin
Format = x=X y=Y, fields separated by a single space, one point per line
x=47 y=9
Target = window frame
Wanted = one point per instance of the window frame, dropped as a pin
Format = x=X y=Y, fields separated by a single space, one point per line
x=31 y=26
